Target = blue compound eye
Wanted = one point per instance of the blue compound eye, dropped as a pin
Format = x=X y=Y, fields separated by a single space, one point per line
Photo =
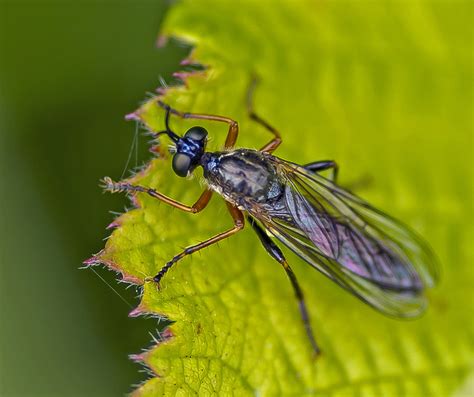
x=181 y=164
x=196 y=133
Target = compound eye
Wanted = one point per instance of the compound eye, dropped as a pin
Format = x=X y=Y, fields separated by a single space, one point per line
x=196 y=133
x=181 y=164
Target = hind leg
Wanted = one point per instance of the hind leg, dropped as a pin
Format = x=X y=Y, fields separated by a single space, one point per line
x=318 y=166
x=276 y=254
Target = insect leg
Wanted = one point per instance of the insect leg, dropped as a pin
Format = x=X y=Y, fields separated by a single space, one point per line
x=318 y=166
x=276 y=141
x=239 y=223
x=199 y=205
x=276 y=254
x=233 y=125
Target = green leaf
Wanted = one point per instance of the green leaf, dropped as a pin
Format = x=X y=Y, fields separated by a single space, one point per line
x=385 y=88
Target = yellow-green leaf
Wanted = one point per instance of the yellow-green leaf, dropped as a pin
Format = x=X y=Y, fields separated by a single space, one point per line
x=385 y=88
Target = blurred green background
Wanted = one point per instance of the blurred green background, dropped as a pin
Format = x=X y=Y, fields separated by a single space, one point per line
x=69 y=72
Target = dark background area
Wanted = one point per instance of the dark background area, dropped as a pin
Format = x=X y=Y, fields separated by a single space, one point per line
x=69 y=72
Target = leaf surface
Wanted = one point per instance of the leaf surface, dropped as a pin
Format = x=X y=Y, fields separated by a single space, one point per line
x=385 y=88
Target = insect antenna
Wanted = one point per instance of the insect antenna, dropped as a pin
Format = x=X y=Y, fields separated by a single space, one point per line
x=172 y=135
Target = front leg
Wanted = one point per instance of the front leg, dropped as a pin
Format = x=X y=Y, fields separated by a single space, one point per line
x=116 y=187
x=238 y=225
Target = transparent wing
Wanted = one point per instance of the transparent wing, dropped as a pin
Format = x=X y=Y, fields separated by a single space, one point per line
x=365 y=251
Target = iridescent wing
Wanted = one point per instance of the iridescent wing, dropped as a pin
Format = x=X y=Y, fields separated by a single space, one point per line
x=365 y=251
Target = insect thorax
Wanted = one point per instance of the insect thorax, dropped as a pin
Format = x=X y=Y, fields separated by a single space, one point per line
x=243 y=177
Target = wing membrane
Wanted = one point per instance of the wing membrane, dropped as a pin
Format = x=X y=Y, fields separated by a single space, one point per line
x=365 y=251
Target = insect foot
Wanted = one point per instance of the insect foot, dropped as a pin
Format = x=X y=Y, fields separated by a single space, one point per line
x=162 y=272
x=150 y=279
x=113 y=187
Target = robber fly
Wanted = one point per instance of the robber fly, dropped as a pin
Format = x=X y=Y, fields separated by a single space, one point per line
x=366 y=252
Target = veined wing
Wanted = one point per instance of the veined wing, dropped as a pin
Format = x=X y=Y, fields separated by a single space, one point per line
x=365 y=251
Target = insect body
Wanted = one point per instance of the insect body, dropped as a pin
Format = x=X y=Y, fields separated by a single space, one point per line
x=365 y=251
x=243 y=177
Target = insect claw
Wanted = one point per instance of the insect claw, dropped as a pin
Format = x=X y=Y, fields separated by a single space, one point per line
x=316 y=354
x=148 y=279
x=110 y=186
x=106 y=183
x=154 y=279
x=157 y=282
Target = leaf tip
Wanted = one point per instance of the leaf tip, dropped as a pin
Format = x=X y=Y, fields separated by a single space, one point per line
x=94 y=260
x=162 y=90
x=132 y=116
x=161 y=40
x=114 y=224
x=138 y=311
